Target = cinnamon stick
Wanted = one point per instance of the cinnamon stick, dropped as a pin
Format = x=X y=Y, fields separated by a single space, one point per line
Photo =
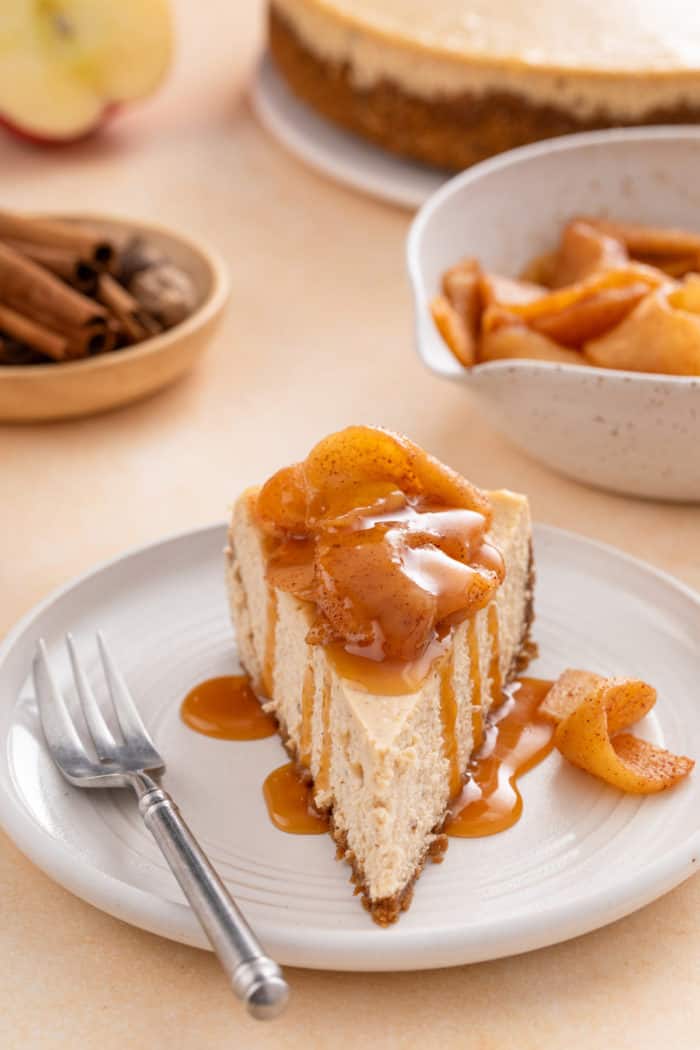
x=88 y=343
x=89 y=244
x=31 y=290
x=45 y=265
x=34 y=335
x=64 y=262
x=14 y=353
x=98 y=339
x=137 y=324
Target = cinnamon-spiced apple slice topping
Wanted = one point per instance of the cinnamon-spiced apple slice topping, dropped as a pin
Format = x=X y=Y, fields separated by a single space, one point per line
x=387 y=543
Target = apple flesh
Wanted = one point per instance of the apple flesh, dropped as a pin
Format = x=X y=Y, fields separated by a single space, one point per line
x=66 y=65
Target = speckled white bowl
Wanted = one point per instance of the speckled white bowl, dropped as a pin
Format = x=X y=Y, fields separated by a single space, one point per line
x=632 y=432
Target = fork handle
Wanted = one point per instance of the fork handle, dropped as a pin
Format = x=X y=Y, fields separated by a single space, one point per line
x=256 y=979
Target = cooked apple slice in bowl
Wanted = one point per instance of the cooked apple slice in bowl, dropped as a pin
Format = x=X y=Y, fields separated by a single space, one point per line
x=656 y=337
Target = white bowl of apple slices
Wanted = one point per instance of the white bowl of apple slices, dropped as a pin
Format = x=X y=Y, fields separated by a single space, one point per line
x=558 y=282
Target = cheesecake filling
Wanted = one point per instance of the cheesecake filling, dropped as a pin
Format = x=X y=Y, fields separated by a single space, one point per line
x=621 y=60
x=381 y=677
x=387 y=544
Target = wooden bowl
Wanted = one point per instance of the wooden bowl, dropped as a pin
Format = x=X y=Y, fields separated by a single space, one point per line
x=31 y=393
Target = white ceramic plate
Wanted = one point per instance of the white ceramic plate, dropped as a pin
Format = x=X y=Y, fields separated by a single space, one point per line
x=581 y=856
x=341 y=155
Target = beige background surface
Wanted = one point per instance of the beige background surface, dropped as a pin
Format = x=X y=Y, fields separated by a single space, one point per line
x=318 y=335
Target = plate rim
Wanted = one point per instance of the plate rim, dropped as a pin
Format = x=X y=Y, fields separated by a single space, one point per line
x=339 y=949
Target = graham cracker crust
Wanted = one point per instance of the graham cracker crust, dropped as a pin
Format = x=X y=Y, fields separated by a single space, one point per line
x=447 y=131
x=387 y=910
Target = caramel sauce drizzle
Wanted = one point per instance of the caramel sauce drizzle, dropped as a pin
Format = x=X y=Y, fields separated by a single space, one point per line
x=495 y=666
x=307 y=709
x=268 y=668
x=387 y=677
x=228 y=709
x=448 y=713
x=324 y=768
x=448 y=700
x=289 y=802
x=517 y=739
x=380 y=572
x=475 y=674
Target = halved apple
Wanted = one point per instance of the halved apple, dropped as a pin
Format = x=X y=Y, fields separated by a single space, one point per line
x=66 y=64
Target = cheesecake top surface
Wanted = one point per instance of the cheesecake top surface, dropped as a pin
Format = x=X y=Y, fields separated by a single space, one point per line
x=388 y=544
x=625 y=36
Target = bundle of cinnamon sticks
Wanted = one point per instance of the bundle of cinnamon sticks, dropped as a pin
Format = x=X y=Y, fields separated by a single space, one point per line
x=65 y=291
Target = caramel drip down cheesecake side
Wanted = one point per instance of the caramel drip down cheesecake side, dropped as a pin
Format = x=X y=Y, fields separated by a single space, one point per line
x=386 y=741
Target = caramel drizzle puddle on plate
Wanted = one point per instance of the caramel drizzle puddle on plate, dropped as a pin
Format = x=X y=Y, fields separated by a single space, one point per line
x=517 y=739
x=289 y=802
x=227 y=708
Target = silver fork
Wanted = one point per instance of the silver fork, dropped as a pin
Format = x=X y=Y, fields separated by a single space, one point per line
x=130 y=762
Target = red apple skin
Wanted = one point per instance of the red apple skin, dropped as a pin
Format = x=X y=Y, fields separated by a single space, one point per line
x=36 y=139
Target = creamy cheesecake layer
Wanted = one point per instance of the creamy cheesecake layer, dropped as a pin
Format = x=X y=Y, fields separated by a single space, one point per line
x=624 y=59
x=379 y=763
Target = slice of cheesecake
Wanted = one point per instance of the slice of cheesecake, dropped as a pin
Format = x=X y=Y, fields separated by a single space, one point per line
x=381 y=608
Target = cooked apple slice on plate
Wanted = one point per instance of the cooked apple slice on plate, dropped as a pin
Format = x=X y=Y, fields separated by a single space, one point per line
x=590 y=712
x=64 y=64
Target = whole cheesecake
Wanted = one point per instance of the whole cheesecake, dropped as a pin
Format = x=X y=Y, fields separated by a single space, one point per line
x=381 y=605
x=454 y=81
